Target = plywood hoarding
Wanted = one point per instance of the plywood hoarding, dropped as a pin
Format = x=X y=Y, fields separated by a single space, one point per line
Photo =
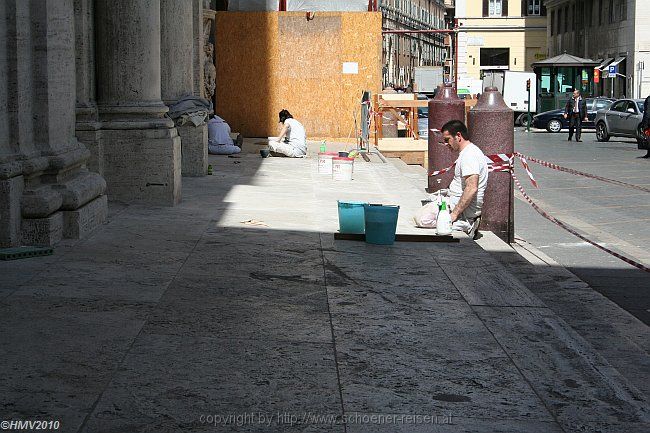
x=317 y=69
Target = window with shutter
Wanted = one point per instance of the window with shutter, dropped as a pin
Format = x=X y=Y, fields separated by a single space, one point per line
x=531 y=7
x=496 y=8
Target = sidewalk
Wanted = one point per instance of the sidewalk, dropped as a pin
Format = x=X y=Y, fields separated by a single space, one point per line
x=188 y=319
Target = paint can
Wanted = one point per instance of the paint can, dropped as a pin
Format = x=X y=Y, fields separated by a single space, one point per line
x=342 y=168
x=325 y=162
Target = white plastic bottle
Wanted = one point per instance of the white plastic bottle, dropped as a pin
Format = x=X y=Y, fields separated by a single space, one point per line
x=443 y=223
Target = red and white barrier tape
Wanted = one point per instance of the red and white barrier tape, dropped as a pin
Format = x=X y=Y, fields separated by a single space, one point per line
x=499 y=162
x=523 y=161
x=573 y=232
x=580 y=173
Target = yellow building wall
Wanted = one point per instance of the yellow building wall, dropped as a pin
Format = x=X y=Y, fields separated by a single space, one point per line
x=526 y=46
x=269 y=61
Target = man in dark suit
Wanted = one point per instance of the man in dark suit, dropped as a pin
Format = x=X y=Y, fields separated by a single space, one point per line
x=576 y=112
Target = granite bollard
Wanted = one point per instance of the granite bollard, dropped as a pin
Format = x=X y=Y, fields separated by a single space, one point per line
x=491 y=128
x=444 y=107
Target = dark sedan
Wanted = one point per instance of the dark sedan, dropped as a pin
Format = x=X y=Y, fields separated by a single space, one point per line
x=554 y=121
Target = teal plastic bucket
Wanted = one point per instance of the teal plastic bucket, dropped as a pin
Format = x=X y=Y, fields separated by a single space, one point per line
x=381 y=223
x=351 y=217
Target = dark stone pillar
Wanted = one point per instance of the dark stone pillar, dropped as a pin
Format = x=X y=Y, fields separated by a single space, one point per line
x=444 y=107
x=490 y=125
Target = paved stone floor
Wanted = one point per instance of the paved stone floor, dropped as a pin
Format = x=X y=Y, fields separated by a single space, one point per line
x=187 y=319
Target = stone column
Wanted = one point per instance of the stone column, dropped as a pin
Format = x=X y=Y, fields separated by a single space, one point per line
x=87 y=128
x=177 y=78
x=199 y=8
x=142 y=149
x=46 y=193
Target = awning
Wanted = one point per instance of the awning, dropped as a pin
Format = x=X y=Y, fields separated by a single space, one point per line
x=604 y=64
x=565 y=60
x=616 y=62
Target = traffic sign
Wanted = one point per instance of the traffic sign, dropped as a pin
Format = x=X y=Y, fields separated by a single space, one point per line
x=613 y=70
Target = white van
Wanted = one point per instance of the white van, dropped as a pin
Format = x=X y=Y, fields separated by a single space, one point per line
x=512 y=86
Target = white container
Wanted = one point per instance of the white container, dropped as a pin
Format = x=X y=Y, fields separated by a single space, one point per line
x=342 y=168
x=443 y=223
x=325 y=162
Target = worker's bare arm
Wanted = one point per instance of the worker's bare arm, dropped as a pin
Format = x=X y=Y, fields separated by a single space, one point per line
x=283 y=133
x=471 y=188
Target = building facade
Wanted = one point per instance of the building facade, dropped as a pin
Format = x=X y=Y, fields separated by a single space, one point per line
x=83 y=111
x=614 y=32
x=500 y=34
x=403 y=52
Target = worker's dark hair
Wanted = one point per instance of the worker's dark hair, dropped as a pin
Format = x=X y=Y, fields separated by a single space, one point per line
x=284 y=115
x=454 y=127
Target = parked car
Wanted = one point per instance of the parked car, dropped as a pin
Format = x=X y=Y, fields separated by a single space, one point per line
x=554 y=121
x=621 y=119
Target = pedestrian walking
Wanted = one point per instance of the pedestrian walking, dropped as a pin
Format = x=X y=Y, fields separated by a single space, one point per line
x=645 y=128
x=576 y=111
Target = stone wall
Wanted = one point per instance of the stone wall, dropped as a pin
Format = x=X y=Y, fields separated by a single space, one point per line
x=82 y=116
x=46 y=190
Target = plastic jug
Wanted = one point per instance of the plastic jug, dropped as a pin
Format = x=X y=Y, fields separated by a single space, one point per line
x=443 y=224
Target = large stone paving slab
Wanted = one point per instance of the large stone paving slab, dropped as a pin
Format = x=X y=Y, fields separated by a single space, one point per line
x=392 y=381
x=243 y=308
x=167 y=383
x=58 y=354
x=580 y=388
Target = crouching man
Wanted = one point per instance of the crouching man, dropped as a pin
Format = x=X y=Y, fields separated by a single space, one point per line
x=465 y=194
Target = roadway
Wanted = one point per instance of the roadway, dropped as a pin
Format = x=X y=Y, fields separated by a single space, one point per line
x=616 y=217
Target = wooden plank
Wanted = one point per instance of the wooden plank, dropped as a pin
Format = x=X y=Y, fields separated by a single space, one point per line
x=397 y=96
x=398 y=238
x=383 y=103
x=411 y=158
x=407 y=144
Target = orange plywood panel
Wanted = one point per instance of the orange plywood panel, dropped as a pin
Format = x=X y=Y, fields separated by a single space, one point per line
x=267 y=61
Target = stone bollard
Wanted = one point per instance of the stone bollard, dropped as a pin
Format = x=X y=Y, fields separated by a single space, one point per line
x=491 y=128
x=444 y=107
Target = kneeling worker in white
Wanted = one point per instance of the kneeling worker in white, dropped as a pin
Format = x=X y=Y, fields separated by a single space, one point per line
x=292 y=141
x=219 y=141
x=465 y=193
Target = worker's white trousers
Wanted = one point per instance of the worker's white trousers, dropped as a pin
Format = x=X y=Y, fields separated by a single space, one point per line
x=285 y=149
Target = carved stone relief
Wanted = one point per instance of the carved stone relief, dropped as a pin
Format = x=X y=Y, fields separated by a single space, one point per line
x=209 y=70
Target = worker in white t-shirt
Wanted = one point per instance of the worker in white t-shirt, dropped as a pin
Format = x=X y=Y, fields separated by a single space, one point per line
x=292 y=141
x=465 y=193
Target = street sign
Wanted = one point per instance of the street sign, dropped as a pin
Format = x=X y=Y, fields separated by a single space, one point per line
x=612 y=70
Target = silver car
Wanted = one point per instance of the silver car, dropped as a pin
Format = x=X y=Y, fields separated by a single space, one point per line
x=621 y=119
